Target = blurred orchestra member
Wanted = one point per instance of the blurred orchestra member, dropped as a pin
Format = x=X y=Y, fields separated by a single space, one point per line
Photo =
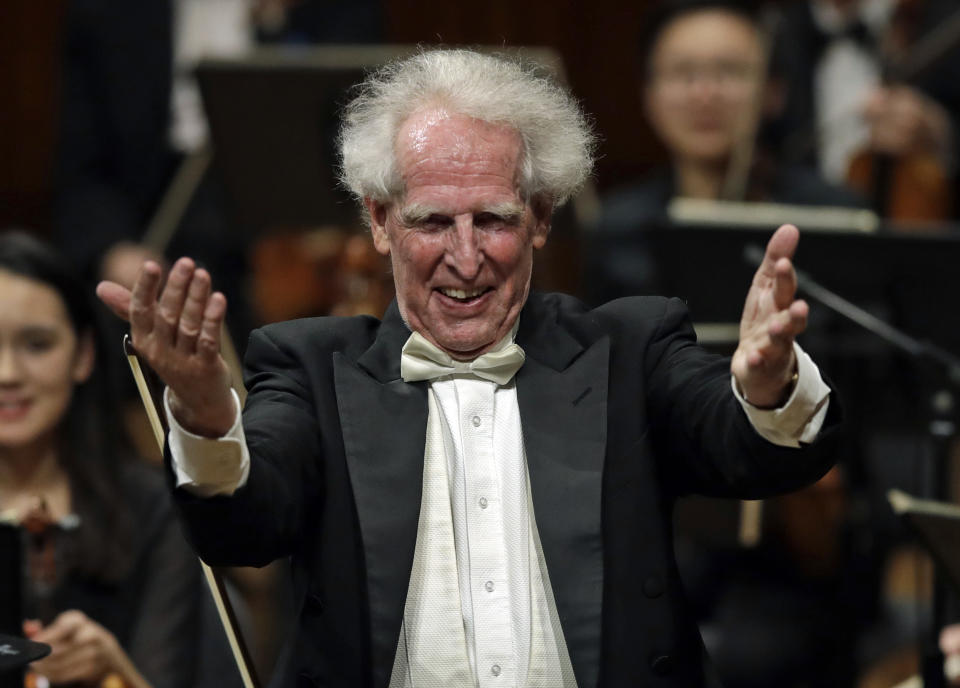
x=837 y=63
x=113 y=587
x=704 y=71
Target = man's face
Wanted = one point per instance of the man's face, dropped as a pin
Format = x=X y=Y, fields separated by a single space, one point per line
x=461 y=239
x=703 y=83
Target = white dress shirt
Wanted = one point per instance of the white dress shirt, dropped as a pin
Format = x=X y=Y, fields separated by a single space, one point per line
x=488 y=498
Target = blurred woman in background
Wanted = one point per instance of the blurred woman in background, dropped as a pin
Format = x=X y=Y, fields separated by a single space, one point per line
x=112 y=586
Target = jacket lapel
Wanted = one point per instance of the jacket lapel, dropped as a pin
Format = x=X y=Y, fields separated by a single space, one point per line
x=563 y=385
x=384 y=421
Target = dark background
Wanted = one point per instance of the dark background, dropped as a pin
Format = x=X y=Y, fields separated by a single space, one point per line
x=596 y=39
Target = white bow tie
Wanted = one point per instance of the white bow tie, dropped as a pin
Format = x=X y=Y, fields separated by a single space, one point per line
x=422 y=360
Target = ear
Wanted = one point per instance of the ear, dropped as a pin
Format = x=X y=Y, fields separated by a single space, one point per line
x=84 y=358
x=378 y=225
x=542 y=214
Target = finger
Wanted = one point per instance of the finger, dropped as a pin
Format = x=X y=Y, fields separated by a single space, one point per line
x=115 y=297
x=143 y=299
x=787 y=324
x=784 y=284
x=769 y=345
x=62 y=628
x=68 y=666
x=171 y=300
x=88 y=633
x=799 y=314
x=31 y=627
x=208 y=344
x=783 y=244
x=191 y=318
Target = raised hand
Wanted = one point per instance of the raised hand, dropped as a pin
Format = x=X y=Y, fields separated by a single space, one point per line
x=764 y=361
x=179 y=337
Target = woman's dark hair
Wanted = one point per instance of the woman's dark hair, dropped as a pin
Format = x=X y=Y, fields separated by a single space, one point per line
x=664 y=13
x=90 y=444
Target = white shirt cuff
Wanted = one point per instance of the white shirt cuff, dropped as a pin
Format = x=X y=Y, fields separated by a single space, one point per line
x=208 y=466
x=800 y=419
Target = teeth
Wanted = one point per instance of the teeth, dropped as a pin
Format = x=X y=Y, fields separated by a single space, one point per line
x=461 y=294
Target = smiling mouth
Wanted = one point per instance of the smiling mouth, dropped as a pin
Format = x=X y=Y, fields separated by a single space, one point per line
x=13 y=409
x=464 y=295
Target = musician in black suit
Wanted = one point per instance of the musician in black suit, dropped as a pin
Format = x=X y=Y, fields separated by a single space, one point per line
x=478 y=489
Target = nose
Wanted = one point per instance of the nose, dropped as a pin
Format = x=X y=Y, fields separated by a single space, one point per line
x=705 y=88
x=9 y=369
x=464 y=253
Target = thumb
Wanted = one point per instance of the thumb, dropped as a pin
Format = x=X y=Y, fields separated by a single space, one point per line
x=116 y=297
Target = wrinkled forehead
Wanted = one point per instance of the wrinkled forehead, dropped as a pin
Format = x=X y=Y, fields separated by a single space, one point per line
x=433 y=145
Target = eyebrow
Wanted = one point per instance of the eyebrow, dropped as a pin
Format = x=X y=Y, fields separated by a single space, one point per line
x=34 y=330
x=416 y=213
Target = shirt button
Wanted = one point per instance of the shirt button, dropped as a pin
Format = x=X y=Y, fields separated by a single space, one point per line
x=495 y=670
x=476 y=421
x=489 y=586
x=483 y=502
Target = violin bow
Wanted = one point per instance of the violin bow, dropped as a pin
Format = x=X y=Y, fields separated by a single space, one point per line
x=151 y=396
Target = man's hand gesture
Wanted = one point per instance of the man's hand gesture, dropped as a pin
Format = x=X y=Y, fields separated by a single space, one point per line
x=179 y=337
x=764 y=362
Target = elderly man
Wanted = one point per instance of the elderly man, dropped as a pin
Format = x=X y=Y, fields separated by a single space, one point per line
x=477 y=490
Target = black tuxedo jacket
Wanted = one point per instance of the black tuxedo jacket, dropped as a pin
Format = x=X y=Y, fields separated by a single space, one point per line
x=621 y=413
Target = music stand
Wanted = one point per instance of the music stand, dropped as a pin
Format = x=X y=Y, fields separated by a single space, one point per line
x=936 y=526
x=705 y=267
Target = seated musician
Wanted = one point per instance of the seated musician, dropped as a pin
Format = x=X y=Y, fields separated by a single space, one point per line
x=858 y=80
x=703 y=65
x=704 y=72
x=112 y=587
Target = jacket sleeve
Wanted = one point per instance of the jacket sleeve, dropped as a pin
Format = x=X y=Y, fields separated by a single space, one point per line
x=263 y=520
x=701 y=436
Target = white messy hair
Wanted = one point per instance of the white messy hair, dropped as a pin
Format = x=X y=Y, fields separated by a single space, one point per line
x=558 y=145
